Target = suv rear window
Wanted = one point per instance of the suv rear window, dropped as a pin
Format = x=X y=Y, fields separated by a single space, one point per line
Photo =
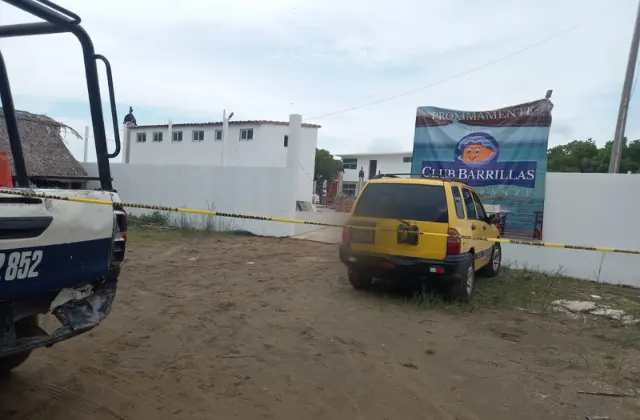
x=423 y=203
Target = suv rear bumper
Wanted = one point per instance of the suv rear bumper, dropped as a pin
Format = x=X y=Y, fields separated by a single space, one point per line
x=389 y=265
x=76 y=316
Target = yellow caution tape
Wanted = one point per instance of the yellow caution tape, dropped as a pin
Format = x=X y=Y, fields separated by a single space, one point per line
x=304 y=222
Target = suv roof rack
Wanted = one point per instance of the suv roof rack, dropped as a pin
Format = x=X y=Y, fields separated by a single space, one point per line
x=420 y=175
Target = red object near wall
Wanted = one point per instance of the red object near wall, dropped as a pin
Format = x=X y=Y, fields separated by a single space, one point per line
x=6 y=179
x=332 y=190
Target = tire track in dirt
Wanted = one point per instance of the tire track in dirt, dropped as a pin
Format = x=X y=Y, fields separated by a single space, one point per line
x=65 y=394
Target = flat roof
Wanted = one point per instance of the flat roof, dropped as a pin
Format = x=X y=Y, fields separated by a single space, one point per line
x=219 y=123
x=373 y=154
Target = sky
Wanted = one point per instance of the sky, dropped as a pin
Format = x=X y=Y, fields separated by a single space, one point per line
x=188 y=61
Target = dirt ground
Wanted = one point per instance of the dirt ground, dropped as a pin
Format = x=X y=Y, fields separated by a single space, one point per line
x=252 y=328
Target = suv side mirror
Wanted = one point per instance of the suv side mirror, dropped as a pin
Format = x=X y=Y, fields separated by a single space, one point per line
x=494 y=219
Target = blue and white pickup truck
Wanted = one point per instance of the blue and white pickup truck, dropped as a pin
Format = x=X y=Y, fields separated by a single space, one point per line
x=56 y=256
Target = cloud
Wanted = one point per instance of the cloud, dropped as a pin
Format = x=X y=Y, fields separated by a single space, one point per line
x=384 y=145
x=269 y=59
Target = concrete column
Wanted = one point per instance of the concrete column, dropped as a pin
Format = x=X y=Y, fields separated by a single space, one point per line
x=293 y=148
x=294 y=172
x=225 y=132
x=126 y=134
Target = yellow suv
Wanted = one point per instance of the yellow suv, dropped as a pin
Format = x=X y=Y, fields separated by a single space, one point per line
x=412 y=227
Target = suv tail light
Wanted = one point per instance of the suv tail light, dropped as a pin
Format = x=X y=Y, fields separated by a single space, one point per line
x=346 y=235
x=454 y=241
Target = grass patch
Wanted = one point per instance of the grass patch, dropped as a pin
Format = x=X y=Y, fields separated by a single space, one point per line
x=434 y=298
x=536 y=291
x=162 y=225
x=156 y=218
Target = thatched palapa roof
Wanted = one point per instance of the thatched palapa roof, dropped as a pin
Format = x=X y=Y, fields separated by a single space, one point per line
x=45 y=152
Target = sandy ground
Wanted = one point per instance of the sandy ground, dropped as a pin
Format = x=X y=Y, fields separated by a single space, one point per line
x=271 y=329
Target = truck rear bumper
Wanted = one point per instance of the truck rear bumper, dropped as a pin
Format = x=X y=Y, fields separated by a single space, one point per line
x=75 y=316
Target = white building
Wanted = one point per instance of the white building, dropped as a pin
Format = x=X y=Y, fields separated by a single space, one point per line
x=372 y=164
x=256 y=143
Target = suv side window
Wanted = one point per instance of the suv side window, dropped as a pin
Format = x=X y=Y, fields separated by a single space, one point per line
x=457 y=199
x=468 y=204
x=482 y=215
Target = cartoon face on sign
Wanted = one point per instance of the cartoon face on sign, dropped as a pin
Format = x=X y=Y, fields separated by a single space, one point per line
x=477 y=149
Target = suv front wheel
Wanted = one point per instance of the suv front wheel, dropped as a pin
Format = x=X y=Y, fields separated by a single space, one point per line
x=492 y=268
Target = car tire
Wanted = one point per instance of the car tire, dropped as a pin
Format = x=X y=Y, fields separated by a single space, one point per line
x=492 y=269
x=463 y=283
x=26 y=327
x=358 y=280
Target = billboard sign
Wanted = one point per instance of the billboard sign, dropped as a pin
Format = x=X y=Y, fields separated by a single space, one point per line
x=501 y=153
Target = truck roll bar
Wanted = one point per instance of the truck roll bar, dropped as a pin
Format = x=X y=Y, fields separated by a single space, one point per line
x=60 y=20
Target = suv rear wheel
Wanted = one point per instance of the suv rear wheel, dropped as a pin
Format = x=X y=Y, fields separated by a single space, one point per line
x=463 y=283
x=358 y=280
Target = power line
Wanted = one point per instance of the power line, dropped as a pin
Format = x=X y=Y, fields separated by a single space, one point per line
x=472 y=70
x=304 y=170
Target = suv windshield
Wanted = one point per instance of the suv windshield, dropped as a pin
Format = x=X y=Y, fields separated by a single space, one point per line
x=417 y=202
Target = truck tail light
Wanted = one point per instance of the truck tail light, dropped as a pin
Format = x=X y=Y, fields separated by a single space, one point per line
x=119 y=236
x=454 y=242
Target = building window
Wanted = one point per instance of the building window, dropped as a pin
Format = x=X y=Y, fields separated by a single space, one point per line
x=350 y=163
x=218 y=135
x=141 y=137
x=176 y=136
x=246 y=134
x=407 y=159
x=157 y=136
x=349 y=188
x=286 y=141
x=198 y=135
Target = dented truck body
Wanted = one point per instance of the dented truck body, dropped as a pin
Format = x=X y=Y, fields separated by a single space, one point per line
x=57 y=257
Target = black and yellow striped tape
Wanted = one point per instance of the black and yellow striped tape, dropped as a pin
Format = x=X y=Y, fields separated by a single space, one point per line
x=304 y=222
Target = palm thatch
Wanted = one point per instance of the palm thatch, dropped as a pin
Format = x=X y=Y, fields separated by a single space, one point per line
x=45 y=152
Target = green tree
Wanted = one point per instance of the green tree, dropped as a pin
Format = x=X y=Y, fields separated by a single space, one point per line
x=576 y=156
x=326 y=166
x=585 y=156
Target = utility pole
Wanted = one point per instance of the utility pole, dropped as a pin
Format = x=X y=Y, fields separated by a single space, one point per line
x=618 y=138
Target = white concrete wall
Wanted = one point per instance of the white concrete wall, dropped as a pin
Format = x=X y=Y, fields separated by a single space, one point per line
x=253 y=191
x=387 y=163
x=307 y=153
x=589 y=210
x=326 y=216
